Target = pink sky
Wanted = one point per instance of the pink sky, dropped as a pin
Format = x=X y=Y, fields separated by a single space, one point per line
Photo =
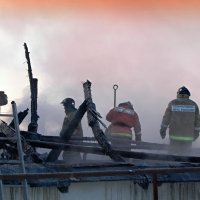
x=149 y=54
x=98 y=4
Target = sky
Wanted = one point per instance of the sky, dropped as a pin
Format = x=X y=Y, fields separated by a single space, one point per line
x=149 y=49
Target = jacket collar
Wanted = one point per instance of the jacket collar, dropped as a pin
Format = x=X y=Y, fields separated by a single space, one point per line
x=182 y=96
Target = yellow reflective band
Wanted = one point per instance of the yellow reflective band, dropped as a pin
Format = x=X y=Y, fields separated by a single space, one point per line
x=122 y=135
x=181 y=138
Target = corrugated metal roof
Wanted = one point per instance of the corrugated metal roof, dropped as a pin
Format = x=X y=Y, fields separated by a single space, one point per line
x=35 y=193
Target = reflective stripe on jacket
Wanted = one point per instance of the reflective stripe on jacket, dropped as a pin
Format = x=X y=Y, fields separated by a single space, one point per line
x=181 y=138
x=124 y=135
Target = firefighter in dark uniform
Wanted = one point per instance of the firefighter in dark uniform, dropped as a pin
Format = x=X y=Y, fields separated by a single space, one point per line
x=123 y=118
x=70 y=110
x=182 y=119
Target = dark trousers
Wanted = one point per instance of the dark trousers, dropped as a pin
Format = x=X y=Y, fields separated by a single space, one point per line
x=180 y=147
x=121 y=144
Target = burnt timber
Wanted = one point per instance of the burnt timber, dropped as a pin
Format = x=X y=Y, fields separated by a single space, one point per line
x=98 y=144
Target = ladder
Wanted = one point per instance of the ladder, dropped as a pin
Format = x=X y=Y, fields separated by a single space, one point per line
x=20 y=152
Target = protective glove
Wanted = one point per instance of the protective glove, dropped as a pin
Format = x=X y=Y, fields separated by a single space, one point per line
x=196 y=135
x=163 y=132
x=138 y=137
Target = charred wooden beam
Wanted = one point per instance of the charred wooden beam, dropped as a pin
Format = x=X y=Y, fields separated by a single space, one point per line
x=126 y=154
x=9 y=132
x=84 y=142
x=3 y=98
x=150 y=145
x=21 y=116
x=94 y=124
x=33 y=126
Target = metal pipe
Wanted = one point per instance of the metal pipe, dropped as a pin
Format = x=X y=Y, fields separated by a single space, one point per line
x=155 y=187
x=115 y=87
x=127 y=172
x=19 y=146
x=1 y=189
x=6 y=115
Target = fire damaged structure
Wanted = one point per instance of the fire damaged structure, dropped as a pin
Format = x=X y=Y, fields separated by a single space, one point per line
x=148 y=173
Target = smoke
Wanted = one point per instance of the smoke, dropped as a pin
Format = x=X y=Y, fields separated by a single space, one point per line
x=148 y=56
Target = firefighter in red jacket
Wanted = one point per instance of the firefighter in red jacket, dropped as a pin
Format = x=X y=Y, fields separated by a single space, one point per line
x=123 y=118
x=182 y=118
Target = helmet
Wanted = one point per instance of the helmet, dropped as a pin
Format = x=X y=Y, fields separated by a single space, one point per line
x=68 y=102
x=183 y=90
x=127 y=104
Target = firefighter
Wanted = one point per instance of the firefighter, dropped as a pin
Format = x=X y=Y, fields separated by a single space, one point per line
x=70 y=110
x=123 y=118
x=182 y=118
